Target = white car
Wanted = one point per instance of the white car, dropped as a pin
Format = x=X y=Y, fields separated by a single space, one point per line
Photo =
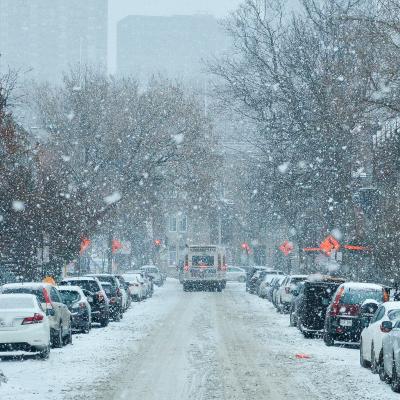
x=155 y=273
x=372 y=336
x=284 y=294
x=265 y=284
x=24 y=325
x=235 y=274
x=137 y=287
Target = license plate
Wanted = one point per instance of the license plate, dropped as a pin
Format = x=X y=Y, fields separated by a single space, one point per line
x=346 y=322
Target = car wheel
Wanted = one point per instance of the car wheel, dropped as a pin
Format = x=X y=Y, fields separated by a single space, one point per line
x=363 y=362
x=104 y=321
x=57 y=338
x=69 y=337
x=291 y=320
x=44 y=354
x=328 y=339
x=374 y=365
x=395 y=383
x=384 y=377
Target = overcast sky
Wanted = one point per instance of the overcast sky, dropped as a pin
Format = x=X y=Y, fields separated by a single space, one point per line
x=118 y=9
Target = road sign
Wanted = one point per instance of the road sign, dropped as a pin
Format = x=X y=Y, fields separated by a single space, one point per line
x=286 y=247
x=329 y=244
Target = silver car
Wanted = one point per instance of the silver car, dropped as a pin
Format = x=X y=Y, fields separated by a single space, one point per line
x=235 y=274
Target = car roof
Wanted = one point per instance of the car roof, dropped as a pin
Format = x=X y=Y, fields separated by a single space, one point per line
x=105 y=284
x=392 y=305
x=362 y=286
x=30 y=285
x=80 y=278
x=18 y=296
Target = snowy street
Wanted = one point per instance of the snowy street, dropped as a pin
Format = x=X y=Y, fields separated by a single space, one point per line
x=196 y=345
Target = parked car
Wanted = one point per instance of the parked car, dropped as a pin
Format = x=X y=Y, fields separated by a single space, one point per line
x=127 y=299
x=148 y=280
x=343 y=320
x=313 y=302
x=100 y=305
x=235 y=274
x=256 y=280
x=371 y=353
x=60 y=319
x=137 y=286
x=249 y=275
x=265 y=285
x=391 y=355
x=79 y=306
x=296 y=297
x=24 y=324
x=284 y=295
x=155 y=273
x=275 y=287
x=117 y=305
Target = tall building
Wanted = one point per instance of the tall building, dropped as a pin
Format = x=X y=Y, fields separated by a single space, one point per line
x=46 y=37
x=173 y=46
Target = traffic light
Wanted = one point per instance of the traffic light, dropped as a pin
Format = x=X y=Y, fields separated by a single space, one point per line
x=245 y=246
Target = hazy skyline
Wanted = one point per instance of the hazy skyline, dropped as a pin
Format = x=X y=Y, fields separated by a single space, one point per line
x=119 y=9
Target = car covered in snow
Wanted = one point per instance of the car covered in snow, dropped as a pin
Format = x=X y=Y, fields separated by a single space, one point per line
x=99 y=305
x=312 y=303
x=79 y=306
x=343 y=320
x=24 y=325
x=48 y=295
x=155 y=273
x=137 y=287
x=284 y=295
x=371 y=352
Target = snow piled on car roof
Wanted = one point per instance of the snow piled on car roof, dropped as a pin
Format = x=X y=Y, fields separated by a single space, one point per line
x=362 y=286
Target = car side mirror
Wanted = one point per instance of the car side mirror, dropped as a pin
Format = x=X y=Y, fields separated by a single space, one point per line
x=386 y=326
x=50 y=312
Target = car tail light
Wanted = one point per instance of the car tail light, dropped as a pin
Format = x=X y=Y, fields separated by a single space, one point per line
x=36 y=319
x=335 y=310
x=119 y=294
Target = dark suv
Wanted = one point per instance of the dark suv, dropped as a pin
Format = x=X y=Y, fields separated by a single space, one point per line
x=251 y=271
x=116 y=308
x=312 y=303
x=343 y=320
x=99 y=304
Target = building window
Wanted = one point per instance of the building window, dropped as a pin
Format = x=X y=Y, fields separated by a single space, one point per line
x=172 y=255
x=183 y=224
x=172 y=223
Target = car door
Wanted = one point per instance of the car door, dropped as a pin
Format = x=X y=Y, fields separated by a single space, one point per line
x=62 y=309
x=371 y=331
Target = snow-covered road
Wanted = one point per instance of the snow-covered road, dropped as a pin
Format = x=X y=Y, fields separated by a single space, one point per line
x=199 y=345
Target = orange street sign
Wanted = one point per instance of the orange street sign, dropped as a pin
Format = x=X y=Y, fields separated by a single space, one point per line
x=329 y=244
x=85 y=243
x=116 y=245
x=286 y=247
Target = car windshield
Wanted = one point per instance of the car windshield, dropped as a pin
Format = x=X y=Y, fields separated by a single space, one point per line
x=69 y=296
x=107 y=288
x=37 y=292
x=88 y=285
x=15 y=303
x=357 y=296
